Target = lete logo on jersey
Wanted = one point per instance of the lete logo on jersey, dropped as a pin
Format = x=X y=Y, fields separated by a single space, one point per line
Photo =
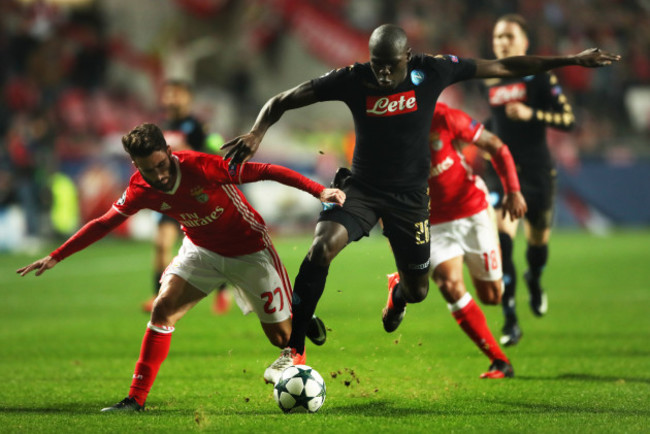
x=391 y=105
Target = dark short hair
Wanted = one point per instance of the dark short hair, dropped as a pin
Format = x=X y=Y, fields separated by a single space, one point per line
x=516 y=19
x=177 y=82
x=144 y=140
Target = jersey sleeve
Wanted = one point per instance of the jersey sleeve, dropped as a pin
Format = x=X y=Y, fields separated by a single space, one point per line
x=93 y=231
x=556 y=112
x=334 y=85
x=128 y=204
x=222 y=172
x=252 y=172
x=451 y=69
x=463 y=126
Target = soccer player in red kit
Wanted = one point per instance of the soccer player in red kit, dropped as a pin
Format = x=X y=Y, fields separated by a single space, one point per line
x=461 y=228
x=226 y=240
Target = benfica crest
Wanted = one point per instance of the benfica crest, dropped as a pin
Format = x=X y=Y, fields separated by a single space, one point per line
x=198 y=194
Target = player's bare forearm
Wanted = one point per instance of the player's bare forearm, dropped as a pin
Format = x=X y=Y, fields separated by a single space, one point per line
x=488 y=142
x=332 y=195
x=520 y=66
x=242 y=148
x=40 y=266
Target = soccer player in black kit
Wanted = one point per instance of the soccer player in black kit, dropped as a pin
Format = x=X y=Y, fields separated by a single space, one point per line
x=521 y=109
x=392 y=99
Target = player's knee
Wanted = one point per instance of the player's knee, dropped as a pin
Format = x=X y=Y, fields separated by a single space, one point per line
x=451 y=288
x=489 y=292
x=159 y=246
x=416 y=290
x=322 y=252
x=162 y=311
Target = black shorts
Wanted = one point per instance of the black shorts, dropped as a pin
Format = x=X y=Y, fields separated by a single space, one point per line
x=538 y=186
x=405 y=218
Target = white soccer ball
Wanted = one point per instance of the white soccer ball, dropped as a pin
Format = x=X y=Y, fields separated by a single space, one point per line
x=300 y=389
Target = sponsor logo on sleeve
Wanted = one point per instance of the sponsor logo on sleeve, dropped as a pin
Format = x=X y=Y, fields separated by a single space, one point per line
x=391 y=105
x=122 y=199
x=232 y=169
x=417 y=77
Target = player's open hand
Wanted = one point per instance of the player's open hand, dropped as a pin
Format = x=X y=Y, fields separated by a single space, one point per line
x=40 y=266
x=515 y=205
x=332 y=195
x=595 y=57
x=241 y=148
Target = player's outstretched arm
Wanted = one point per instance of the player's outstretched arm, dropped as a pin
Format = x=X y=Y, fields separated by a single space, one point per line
x=92 y=231
x=253 y=172
x=40 y=266
x=520 y=66
x=513 y=201
x=242 y=148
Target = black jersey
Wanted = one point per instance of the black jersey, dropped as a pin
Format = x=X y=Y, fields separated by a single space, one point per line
x=527 y=140
x=188 y=130
x=392 y=126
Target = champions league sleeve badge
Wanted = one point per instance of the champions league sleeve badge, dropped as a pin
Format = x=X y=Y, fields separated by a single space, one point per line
x=417 y=77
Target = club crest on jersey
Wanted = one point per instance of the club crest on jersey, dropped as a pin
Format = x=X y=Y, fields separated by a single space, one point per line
x=500 y=95
x=197 y=193
x=417 y=77
x=391 y=105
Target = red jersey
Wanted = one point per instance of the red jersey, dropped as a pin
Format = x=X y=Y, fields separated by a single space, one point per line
x=452 y=185
x=212 y=212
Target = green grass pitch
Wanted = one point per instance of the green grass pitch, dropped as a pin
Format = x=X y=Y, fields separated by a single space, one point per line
x=70 y=338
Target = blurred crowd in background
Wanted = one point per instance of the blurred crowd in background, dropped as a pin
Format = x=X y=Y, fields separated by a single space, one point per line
x=75 y=75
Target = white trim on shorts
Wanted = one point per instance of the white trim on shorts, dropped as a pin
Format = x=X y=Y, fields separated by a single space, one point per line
x=259 y=280
x=475 y=238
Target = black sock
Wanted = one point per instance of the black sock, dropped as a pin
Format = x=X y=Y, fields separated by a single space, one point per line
x=309 y=286
x=398 y=298
x=156 y=282
x=536 y=257
x=509 y=277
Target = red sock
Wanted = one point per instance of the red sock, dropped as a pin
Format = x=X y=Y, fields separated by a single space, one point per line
x=472 y=320
x=154 y=350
